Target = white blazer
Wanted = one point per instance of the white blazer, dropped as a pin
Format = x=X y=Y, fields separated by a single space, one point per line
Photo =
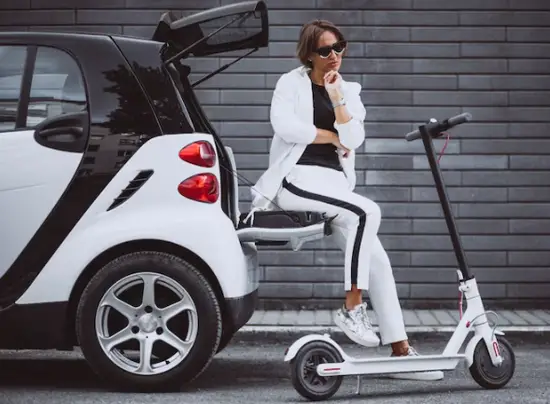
x=291 y=118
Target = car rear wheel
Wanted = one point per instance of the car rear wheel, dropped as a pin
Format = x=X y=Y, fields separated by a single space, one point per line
x=149 y=321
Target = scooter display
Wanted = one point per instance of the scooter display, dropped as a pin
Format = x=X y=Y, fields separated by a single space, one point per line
x=318 y=363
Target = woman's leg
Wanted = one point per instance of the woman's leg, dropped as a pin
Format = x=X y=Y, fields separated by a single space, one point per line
x=356 y=225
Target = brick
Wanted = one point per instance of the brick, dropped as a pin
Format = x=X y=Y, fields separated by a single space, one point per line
x=505 y=18
x=412 y=50
x=299 y=17
x=370 y=5
x=409 y=113
x=465 y=226
x=462 y=65
x=410 y=18
x=76 y=4
x=431 y=291
x=284 y=33
x=377 y=34
x=379 y=97
x=461 y=194
x=505 y=146
x=410 y=178
x=251 y=161
x=529 y=4
x=512 y=274
x=375 y=130
x=424 y=275
x=15 y=4
x=267 y=65
x=511 y=50
x=539 y=290
x=236 y=113
x=195 y=5
x=230 y=80
x=482 y=130
x=304 y=274
x=407 y=210
x=529 y=258
x=37 y=17
x=503 y=82
x=207 y=97
x=529 y=194
x=374 y=65
x=464 y=162
x=364 y=162
x=111 y=17
x=533 y=130
x=523 y=34
x=530 y=163
x=247 y=145
x=528 y=98
x=386 y=193
x=236 y=129
x=463 y=4
x=246 y=97
x=286 y=290
x=525 y=178
x=529 y=226
x=508 y=210
x=510 y=114
x=458 y=34
x=460 y=98
x=401 y=146
x=448 y=258
x=538 y=66
x=411 y=82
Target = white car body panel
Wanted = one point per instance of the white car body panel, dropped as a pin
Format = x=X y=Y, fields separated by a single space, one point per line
x=156 y=211
x=32 y=179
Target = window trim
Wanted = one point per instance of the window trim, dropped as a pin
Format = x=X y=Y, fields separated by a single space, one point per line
x=26 y=84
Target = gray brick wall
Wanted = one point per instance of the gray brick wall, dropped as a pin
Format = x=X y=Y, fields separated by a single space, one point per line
x=416 y=59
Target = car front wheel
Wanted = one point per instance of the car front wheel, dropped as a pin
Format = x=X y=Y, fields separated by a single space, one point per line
x=148 y=321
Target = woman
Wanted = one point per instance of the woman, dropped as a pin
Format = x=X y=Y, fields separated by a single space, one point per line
x=318 y=119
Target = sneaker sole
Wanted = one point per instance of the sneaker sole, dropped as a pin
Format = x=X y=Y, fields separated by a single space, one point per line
x=354 y=338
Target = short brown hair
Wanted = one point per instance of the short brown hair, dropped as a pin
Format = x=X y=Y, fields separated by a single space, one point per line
x=309 y=36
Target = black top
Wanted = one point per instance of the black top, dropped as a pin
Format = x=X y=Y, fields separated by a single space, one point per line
x=323 y=155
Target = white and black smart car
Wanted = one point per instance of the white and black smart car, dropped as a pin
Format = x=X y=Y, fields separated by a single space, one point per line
x=119 y=213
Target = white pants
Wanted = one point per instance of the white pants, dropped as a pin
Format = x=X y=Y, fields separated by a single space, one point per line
x=355 y=231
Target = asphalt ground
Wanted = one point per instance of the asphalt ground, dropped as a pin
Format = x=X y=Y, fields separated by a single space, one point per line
x=253 y=371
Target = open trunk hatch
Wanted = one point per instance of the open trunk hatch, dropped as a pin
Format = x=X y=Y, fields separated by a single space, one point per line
x=238 y=26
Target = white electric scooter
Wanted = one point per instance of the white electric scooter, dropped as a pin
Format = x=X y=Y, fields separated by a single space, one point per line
x=318 y=364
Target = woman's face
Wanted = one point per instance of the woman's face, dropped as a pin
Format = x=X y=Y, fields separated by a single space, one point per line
x=329 y=52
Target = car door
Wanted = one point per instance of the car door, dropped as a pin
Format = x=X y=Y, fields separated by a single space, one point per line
x=43 y=133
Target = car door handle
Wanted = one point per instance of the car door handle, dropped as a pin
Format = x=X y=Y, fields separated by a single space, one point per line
x=75 y=131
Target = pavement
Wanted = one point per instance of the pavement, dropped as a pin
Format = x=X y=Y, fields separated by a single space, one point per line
x=254 y=372
x=286 y=325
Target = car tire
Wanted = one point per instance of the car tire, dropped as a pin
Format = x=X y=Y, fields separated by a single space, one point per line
x=182 y=277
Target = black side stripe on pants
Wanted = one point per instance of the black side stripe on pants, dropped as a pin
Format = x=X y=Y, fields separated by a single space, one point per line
x=343 y=204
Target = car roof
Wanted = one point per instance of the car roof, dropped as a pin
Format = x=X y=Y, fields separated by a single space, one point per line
x=76 y=35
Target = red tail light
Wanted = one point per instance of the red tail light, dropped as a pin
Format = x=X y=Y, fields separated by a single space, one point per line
x=201 y=187
x=200 y=153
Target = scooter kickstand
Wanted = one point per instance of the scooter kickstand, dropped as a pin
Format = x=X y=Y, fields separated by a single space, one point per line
x=358 y=389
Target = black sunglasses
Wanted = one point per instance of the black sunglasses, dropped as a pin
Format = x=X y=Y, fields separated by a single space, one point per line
x=337 y=47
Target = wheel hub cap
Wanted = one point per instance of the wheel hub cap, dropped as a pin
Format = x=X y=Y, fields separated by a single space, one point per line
x=148 y=323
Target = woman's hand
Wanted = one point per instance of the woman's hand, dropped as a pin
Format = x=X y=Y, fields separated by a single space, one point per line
x=340 y=146
x=333 y=83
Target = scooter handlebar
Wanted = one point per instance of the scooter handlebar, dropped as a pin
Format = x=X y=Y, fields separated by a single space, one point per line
x=435 y=128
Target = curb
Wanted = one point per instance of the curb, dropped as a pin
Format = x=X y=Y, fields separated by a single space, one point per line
x=288 y=334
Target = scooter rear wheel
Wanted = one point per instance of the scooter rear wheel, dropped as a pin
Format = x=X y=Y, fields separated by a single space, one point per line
x=305 y=379
x=485 y=373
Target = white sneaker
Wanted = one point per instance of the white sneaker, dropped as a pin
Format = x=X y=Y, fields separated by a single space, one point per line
x=356 y=325
x=428 y=375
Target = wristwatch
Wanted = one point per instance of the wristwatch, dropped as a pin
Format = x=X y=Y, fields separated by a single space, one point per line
x=339 y=103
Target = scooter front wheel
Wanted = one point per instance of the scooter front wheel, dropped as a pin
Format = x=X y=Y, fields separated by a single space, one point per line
x=485 y=373
x=305 y=379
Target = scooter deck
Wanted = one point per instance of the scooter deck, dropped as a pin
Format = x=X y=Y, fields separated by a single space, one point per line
x=403 y=364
